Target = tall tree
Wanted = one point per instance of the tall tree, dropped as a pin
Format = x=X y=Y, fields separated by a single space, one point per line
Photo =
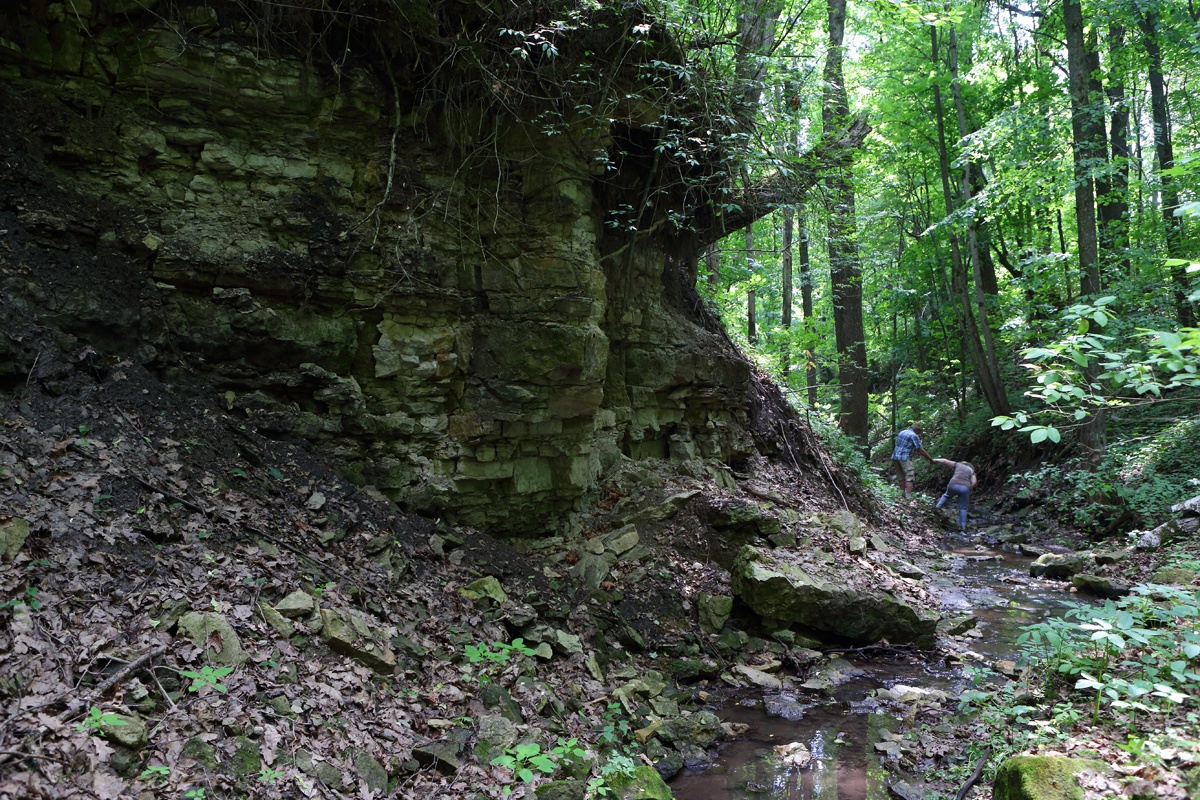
x=988 y=367
x=991 y=388
x=1164 y=150
x=751 y=310
x=1085 y=146
x=785 y=316
x=844 y=268
x=1086 y=151
x=806 y=305
x=1114 y=204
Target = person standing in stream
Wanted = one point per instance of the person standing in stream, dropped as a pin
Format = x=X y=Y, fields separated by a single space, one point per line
x=908 y=441
x=961 y=483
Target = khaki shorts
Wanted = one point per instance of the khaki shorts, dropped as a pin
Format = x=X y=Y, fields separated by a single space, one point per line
x=905 y=471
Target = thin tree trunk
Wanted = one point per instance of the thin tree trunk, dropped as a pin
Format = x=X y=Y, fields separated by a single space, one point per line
x=1092 y=431
x=989 y=366
x=751 y=318
x=712 y=260
x=844 y=269
x=1114 y=207
x=958 y=272
x=1164 y=149
x=1078 y=64
x=806 y=304
x=786 y=311
x=1097 y=138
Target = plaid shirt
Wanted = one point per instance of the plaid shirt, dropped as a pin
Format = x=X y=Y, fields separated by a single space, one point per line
x=907 y=442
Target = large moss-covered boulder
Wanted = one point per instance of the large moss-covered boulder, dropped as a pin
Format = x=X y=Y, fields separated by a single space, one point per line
x=841 y=600
x=643 y=783
x=1042 y=778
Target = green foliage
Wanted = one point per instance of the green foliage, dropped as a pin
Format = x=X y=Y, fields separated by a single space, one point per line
x=1085 y=371
x=29 y=597
x=207 y=676
x=488 y=657
x=155 y=772
x=523 y=759
x=269 y=776
x=616 y=731
x=1135 y=656
x=615 y=764
x=97 y=719
x=496 y=652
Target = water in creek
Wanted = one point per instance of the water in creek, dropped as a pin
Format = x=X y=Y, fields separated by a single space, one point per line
x=841 y=732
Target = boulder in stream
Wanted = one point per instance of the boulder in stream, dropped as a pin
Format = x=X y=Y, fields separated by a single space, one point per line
x=1060 y=565
x=1101 y=587
x=836 y=599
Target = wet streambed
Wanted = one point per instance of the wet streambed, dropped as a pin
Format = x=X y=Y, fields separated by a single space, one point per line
x=841 y=731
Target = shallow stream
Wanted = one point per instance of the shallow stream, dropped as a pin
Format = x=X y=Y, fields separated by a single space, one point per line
x=841 y=732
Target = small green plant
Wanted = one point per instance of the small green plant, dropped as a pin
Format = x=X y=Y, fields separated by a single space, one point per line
x=617 y=764
x=495 y=654
x=194 y=794
x=616 y=730
x=155 y=772
x=523 y=760
x=97 y=719
x=269 y=775
x=207 y=676
x=28 y=598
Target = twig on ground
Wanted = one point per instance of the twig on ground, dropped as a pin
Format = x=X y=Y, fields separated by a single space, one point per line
x=987 y=753
x=124 y=672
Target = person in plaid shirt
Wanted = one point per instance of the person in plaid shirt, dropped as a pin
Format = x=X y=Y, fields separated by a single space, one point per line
x=908 y=441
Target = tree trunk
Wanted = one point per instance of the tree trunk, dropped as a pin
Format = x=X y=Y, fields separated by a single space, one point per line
x=991 y=391
x=845 y=279
x=712 y=260
x=786 y=311
x=989 y=366
x=1164 y=149
x=751 y=316
x=756 y=39
x=806 y=305
x=1114 y=206
x=1085 y=150
x=1092 y=430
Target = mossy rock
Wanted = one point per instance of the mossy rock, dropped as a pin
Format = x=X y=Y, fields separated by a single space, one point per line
x=1042 y=778
x=562 y=790
x=200 y=751
x=247 y=759
x=643 y=783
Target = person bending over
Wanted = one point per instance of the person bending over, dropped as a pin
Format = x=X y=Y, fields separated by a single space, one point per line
x=961 y=483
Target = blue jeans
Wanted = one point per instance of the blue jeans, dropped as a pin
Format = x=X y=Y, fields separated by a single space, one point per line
x=963 y=493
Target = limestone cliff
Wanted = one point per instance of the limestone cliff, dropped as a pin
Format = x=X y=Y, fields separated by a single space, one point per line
x=466 y=294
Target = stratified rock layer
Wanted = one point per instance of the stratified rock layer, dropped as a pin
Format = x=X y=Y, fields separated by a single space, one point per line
x=454 y=325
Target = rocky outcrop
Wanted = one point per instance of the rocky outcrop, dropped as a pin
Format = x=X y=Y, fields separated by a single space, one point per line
x=464 y=327
x=823 y=596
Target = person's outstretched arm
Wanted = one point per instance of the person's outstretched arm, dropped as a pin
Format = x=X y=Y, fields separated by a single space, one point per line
x=945 y=462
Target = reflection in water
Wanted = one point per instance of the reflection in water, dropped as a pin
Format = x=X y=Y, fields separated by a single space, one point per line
x=842 y=733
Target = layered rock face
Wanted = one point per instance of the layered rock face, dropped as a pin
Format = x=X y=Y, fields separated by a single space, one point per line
x=425 y=290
